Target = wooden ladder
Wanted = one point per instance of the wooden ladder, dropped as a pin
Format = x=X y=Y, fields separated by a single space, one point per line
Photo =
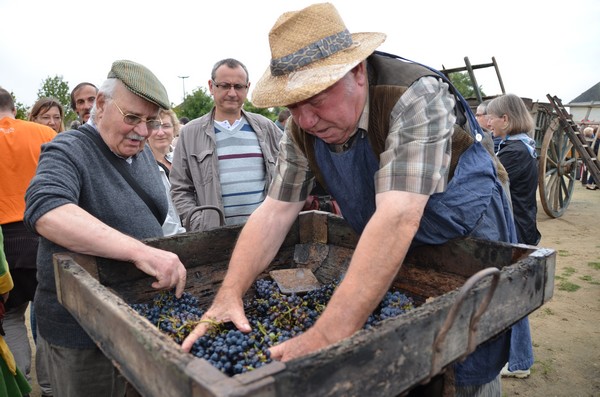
x=470 y=69
x=585 y=151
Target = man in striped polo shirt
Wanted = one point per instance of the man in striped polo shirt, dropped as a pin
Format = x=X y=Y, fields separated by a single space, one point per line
x=226 y=158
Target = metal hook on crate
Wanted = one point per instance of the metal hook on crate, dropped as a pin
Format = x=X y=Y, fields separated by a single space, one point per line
x=471 y=345
x=188 y=219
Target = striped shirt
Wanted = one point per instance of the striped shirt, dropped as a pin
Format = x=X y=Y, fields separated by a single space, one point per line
x=417 y=149
x=241 y=170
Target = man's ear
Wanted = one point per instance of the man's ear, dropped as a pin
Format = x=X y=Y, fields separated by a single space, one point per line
x=100 y=102
x=360 y=72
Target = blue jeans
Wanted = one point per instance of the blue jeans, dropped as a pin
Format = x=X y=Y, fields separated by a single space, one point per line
x=520 y=356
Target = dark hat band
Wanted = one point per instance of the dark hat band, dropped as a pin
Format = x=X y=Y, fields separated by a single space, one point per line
x=311 y=53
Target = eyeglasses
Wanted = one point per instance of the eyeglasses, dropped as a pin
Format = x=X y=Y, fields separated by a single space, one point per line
x=227 y=86
x=132 y=119
x=46 y=118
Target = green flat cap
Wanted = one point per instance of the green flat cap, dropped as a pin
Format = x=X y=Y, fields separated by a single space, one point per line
x=141 y=81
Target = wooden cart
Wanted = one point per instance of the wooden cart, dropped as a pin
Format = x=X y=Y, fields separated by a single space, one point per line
x=468 y=291
x=560 y=145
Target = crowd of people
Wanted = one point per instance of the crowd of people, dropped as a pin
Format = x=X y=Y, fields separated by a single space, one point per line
x=374 y=131
x=20 y=147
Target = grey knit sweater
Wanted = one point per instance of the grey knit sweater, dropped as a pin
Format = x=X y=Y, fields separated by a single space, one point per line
x=72 y=169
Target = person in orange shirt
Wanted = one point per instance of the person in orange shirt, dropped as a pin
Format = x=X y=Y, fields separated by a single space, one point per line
x=20 y=147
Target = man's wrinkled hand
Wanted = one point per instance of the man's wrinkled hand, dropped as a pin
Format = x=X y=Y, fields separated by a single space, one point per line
x=301 y=345
x=165 y=266
x=225 y=308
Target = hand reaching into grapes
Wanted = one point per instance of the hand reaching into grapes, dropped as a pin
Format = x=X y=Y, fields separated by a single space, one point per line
x=226 y=308
x=301 y=345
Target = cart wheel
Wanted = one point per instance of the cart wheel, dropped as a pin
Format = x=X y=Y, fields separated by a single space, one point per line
x=557 y=168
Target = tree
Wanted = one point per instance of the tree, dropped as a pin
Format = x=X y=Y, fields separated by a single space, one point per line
x=267 y=112
x=195 y=105
x=21 y=109
x=57 y=88
x=463 y=84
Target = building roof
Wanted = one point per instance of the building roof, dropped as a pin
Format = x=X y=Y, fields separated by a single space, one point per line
x=591 y=95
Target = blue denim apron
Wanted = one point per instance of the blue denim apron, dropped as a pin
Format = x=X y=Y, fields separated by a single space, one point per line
x=474 y=204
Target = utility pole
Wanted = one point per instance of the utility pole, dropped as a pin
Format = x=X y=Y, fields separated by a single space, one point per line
x=183 y=82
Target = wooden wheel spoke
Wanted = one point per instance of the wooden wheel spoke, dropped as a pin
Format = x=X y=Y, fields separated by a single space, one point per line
x=557 y=167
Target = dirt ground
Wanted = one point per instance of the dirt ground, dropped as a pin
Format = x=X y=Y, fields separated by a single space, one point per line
x=566 y=330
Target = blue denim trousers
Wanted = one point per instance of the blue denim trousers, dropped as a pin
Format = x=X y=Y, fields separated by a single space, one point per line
x=520 y=355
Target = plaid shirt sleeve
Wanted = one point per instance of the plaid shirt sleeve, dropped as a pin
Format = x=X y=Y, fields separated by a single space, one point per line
x=418 y=147
x=293 y=180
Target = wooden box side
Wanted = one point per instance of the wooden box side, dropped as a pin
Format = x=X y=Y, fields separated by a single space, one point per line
x=392 y=358
x=195 y=250
x=398 y=355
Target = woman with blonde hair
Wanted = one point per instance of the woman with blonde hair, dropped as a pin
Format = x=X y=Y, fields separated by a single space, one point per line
x=509 y=119
x=48 y=111
x=161 y=143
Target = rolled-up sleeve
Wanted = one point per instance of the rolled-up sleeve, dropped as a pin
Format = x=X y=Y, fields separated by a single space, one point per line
x=56 y=182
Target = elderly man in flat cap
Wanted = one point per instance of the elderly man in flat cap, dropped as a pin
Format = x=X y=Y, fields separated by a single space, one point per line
x=97 y=191
x=384 y=136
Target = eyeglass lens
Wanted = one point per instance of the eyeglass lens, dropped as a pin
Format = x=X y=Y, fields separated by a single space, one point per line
x=132 y=119
x=228 y=86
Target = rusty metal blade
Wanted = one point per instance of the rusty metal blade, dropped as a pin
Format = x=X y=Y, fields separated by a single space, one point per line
x=294 y=281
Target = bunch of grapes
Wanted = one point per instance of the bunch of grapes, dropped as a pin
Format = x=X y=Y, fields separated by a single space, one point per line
x=175 y=317
x=393 y=304
x=274 y=318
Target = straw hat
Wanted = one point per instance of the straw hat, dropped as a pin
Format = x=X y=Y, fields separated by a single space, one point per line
x=311 y=50
x=141 y=81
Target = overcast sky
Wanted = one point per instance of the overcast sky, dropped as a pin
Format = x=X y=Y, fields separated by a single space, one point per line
x=541 y=47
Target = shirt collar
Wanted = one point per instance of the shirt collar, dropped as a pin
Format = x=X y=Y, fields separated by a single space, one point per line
x=363 y=121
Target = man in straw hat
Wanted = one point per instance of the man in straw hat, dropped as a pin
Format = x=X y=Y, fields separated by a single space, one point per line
x=79 y=201
x=378 y=133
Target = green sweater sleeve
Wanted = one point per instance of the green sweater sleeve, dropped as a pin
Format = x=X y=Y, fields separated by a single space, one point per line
x=6 y=283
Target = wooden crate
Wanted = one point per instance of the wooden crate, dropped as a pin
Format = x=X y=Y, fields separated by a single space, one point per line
x=386 y=360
